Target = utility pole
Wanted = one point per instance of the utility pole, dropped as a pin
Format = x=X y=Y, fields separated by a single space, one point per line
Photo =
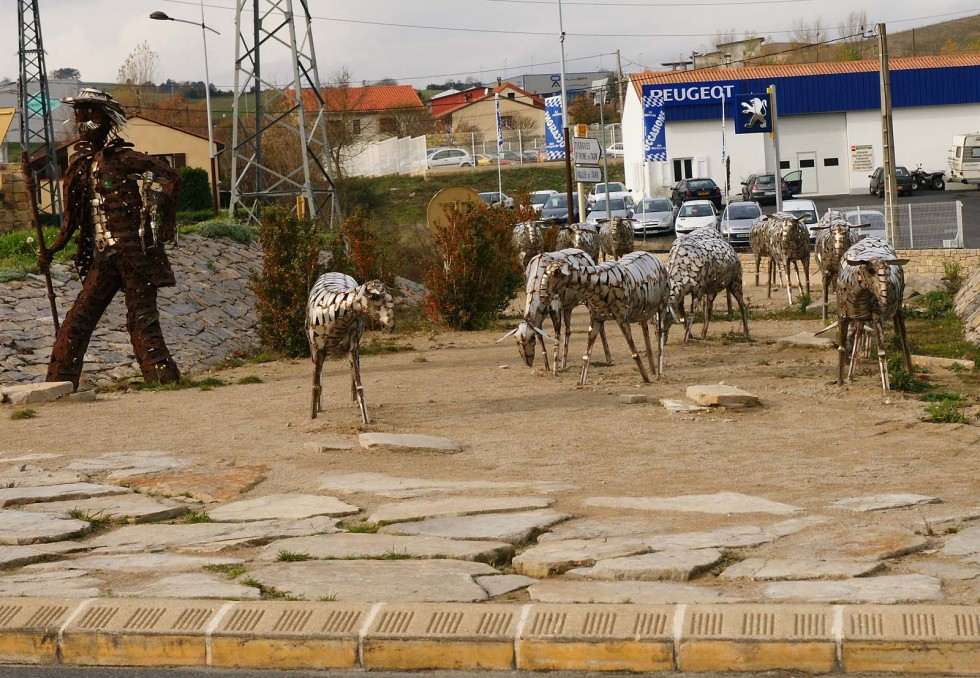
x=564 y=125
x=887 y=135
x=621 y=89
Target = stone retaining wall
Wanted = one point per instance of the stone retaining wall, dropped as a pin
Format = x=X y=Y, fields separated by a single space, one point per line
x=968 y=306
x=15 y=205
x=927 y=263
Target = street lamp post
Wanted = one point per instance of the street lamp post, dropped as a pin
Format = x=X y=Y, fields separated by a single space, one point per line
x=163 y=16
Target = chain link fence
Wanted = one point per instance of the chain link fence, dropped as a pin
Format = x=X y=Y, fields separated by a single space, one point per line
x=918 y=226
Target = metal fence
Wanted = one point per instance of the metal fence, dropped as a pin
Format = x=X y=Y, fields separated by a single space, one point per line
x=391 y=156
x=918 y=226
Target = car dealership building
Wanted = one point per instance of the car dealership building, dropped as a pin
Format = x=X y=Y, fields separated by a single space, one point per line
x=829 y=121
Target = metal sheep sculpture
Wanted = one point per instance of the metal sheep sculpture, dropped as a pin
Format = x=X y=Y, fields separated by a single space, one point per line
x=702 y=264
x=869 y=290
x=336 y=314
x=784 y=238
x=584 y=237
x=558 y=308
x=615 y=237
x=528 y=241
x=834 y=238
x=633 y=289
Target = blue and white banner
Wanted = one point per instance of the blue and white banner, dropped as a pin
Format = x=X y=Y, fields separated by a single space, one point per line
x=554 y=137
x=654 y=125
x=753 y=113
x=500 y=131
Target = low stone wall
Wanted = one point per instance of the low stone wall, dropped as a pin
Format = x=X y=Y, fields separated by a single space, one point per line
x=928 y=263
x=15 y=205
x=968 y=306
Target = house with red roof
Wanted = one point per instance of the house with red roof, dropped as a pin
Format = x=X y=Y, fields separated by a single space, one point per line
x=474 y=110
x=370 y=113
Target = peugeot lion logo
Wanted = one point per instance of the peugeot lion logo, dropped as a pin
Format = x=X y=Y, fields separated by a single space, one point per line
x=757 y=109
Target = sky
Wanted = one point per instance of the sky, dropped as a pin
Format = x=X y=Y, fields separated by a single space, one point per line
x=418 y=42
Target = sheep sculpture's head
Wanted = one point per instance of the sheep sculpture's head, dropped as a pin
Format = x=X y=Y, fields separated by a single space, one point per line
x=379 y=304
x=875 y=275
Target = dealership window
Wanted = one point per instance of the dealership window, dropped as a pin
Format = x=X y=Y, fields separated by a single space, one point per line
x=784 y=164
x=683 y=168
x=830 y=162
x=808 y=163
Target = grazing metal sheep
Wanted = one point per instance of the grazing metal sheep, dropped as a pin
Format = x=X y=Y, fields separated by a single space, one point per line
x=336 y=314
x=834 y=238
x=784 y=238
x=869 y=290
x=559 y=310
x=528 y=241
x=583 y=237
x=703 y=264
x=615 y=237
x=633 y=289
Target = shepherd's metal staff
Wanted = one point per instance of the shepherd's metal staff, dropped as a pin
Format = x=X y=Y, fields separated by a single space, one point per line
x=42 y=248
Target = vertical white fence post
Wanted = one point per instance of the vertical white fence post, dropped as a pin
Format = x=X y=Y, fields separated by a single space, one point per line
x=911 y=238
x=959 y=223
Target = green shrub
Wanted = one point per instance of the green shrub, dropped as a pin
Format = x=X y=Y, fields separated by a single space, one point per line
x=8 y=273
x=946 y=412
x=953 y=277
x=195 y=192
x=186 y=217
x=360 y=250
x=291 y=249
x=358 y=193
x=223 y=228
x=900 y=379
x=475 y=271
x=935 y=304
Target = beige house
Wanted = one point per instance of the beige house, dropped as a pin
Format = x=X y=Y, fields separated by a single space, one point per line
x=178 y=147
x=519 y=110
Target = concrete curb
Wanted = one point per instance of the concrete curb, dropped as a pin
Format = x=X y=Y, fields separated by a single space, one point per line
x=422 y=636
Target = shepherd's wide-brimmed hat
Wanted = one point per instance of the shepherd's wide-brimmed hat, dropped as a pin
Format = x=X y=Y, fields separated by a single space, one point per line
x=89 y=96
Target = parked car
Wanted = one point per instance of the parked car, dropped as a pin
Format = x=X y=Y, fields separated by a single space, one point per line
x=618 y=207
x=483 y=159
x=806 y=208
x=539 y=198
x=533 y=155
x=696 y=189
x=872 y=222
x=510 y=158
x=903 y=181
x=616 y=190
x=736 y=221
x=557 y=208
x=695 y=214
x=616 y=150
x=794 y=181
x=653 y=217
x=493 y=198
x=762 y=188
x=450 y=157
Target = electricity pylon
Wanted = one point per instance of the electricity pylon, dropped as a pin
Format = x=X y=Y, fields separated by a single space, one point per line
x=292 y=116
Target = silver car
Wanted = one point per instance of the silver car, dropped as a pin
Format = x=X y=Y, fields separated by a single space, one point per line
x=736 y=221
x=871 y=222
x=618 y=207
x=653 y=217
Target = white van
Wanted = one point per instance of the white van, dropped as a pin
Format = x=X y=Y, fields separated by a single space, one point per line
x=964 y=158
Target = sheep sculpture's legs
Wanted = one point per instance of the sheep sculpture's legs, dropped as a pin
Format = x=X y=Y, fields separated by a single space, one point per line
x=857 y=339
x=625 y=327
x=826 y=295
x=356 y=388
x=789 y=283
x=736 y=291
x=842 y=323
x=758 y=263
x=663 y=323
x=882 y=362
x=654 y=367
x=709 y=302
x=806 y=272
x=688 y=319
x=318 y=357
x=769 y=280
x=595 y=327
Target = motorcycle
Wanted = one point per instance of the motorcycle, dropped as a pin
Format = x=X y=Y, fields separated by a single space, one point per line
x=923 y=179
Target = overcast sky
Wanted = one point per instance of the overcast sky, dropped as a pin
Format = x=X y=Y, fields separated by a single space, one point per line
x=495 y=38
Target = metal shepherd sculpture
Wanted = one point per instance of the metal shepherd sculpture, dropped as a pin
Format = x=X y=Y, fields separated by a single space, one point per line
x=123 y=204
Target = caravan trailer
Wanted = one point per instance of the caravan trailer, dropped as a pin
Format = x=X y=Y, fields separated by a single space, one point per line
x=964 y=158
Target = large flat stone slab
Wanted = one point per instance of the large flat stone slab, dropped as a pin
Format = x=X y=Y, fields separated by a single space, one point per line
x=904 y=588
x=131 y=508
x=350 y=545
x=75 y=584
x=15 y=496
x=514 y=528
x=429 y=581
x=881 y=502
x=720 y=503
x=502 y=584
x=408 y=441
x=395 y=487
x=24 y=475
x=598 y=528
x=18 y=556
x=282 y=506
x=551 y=558
x=763 y=569
x=930 y=361
x=805 y=340
x=126 y=464
x=136 y=562
x=18 y=527
x=946 y=571
x=193 y=585
x=420 y=509
x=212 y=485
x=727 y=537
x=30 y=394
x=723 y=395
x=659 y=566
x=31 y=456
x=858 y=543
x=637 y=592
x=964 y=544
x=205 y=536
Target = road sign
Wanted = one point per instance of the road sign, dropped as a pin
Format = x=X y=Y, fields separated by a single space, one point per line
x=588 y=175
x=585 y=150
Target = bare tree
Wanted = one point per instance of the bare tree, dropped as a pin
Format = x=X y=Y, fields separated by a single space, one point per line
x=852 y=28
x=807 y=33
x=344 y=117
x=411 y=122
x=139 y=69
